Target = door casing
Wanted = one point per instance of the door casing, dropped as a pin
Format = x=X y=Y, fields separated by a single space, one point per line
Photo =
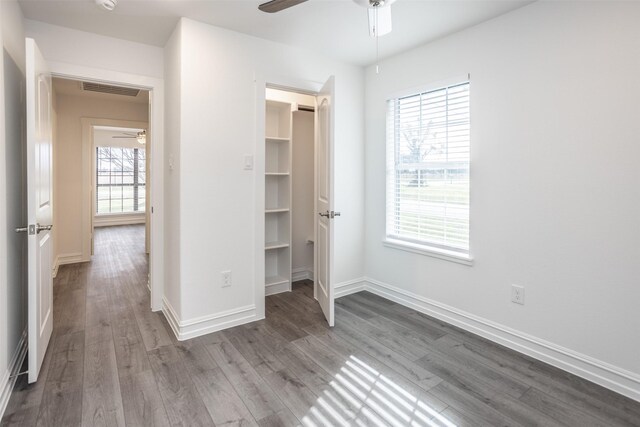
x=261 y=83
x=155 y=87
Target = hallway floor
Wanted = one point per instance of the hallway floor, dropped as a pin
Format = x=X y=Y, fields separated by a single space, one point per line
x=114 y=362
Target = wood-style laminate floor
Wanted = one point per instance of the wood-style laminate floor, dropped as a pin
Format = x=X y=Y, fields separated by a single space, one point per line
x=114 y=362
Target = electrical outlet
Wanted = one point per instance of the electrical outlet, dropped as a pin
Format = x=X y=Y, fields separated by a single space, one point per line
x=517 y=294
x=226 y=278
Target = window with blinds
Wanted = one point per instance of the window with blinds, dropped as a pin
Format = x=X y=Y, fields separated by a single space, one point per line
x=428 y=137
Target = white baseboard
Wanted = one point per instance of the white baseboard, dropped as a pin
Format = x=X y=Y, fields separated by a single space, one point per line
x=109 y=221
x=612 y=377
x=56 y=267
x=277 y=288
x=187 y=329
x=63 y=259
x=303 y=273
x=349 y=287
x=8 y=378
x=72 y=258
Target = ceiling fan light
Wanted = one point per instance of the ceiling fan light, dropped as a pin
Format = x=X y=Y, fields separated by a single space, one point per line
x=384 y=21
x=107 y=5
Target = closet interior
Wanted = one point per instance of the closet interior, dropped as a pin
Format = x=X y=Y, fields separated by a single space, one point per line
x=289 y=189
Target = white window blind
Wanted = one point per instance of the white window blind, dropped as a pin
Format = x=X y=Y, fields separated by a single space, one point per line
x=428 y=136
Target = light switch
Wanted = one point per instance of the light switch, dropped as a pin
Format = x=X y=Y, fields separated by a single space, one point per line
x=248 y=163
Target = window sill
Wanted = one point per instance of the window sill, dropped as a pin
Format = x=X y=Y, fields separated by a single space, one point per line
x=107 y=215
x=427 y=251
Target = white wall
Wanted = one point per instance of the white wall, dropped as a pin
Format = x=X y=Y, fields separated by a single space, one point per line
x=302 y=175
x=555 y=194
x=172 y=200
x=62 y=44
x=12 y=196
x=68 y=176
x=217 y=197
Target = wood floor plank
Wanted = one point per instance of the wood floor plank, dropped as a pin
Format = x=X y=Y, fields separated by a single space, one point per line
x=399 y=314
x=379 y=331
x=61 y=408
x=223 y=403
x=101 y=399
x=153 y=332
x=293 y=393
x=182 y=402
x=298 y=313
x=141 y=400
x=361 y=378
x=63 y=387
x=287 y=329
x=407 y=368
x=560 y=411
x=470 y=406
x=282 y=418
x=131 y=355
x=548 y=382
x=254 y=392
x=258 y=355
x=69 y=312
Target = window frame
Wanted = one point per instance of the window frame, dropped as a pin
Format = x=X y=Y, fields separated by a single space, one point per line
x=141 y=187
x=417 y=246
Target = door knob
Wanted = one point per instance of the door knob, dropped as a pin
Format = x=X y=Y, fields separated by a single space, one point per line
x=329 y=214
x=40 y=228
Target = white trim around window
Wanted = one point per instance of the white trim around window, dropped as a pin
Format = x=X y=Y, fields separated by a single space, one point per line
x=428 y=171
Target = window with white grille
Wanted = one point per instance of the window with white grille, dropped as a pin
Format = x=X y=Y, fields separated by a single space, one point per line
x=428 y=162
x=120 y=180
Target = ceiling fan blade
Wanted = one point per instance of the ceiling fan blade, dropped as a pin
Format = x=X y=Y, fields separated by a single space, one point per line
x=274 y=6
x=125 y=137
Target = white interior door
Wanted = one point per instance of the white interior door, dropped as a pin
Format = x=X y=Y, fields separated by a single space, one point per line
x=40 y=212
x=323 y=286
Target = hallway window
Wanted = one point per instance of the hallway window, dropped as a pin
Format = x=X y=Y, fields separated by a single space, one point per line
x=428 y=163
x=120 y=180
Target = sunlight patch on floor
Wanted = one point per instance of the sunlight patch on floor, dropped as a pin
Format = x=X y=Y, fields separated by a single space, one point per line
x=358 y=384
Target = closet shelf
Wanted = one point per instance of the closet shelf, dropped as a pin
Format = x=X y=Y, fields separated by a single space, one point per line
x=277 y=139
x=276 y=210
x=277 y=173
x=276 y=245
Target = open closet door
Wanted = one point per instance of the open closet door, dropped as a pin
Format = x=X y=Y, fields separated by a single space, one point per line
x=323 y=286
x=39 y=206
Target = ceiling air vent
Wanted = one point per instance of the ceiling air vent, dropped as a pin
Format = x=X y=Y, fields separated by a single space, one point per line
x=114 y=90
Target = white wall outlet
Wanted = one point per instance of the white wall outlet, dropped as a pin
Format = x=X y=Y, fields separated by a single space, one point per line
x=226 y=278
x=517 y=294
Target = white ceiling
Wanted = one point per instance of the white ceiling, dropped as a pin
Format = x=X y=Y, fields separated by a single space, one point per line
x=336 y=28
